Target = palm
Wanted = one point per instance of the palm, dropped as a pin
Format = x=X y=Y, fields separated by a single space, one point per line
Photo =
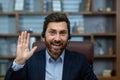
x=23 y=52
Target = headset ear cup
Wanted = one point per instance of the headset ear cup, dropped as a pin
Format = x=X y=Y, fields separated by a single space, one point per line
x=69 y=37
x=43 y=35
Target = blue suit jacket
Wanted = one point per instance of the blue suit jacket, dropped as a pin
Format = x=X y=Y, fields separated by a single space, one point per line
x=75 y=67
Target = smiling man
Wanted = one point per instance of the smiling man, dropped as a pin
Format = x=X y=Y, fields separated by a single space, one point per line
x=56 y=38
x=53 y=62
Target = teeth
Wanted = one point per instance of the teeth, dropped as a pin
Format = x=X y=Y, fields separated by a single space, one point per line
x=56 y=44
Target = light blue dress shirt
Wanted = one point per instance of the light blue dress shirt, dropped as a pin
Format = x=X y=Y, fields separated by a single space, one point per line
x=54 y=69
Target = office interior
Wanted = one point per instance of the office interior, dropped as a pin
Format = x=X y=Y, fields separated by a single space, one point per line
x=95 y=21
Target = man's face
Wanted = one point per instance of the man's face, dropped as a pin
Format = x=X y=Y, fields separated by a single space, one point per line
x=56 y=37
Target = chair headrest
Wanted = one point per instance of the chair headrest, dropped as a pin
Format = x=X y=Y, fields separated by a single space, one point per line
x=85 y=48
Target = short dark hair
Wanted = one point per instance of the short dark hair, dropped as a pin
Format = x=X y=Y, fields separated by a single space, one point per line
x=56 y=17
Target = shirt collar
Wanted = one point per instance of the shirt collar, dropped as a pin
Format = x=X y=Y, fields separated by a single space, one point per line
x=60 y=59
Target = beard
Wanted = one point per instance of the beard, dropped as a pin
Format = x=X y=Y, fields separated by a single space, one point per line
x=55 y=48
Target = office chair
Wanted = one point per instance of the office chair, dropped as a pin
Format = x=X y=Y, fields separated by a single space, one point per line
x=85 y=48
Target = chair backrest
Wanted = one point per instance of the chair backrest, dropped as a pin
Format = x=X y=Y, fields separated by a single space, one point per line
x=85 y=48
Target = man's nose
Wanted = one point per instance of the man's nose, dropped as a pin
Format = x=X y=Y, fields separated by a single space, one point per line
x=57 y=37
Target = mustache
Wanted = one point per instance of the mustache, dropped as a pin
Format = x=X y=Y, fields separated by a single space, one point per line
x=57 y=43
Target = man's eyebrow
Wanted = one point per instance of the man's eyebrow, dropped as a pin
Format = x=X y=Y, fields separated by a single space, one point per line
x=52 y=30
x=56 y=29
x=64 y=30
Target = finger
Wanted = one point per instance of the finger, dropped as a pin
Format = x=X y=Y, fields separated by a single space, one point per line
x=22 y=37
x=33 y=49
x=19 y=39
x=28 y=39
x=25 y=36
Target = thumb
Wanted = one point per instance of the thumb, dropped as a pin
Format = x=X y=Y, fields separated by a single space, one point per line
x=33 y=49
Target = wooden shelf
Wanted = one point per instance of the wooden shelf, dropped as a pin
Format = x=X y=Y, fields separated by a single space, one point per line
x=1 y=78
x=104 y=56
x=86 y=35
x=104 y=34
x=81 y=12
x=16 y=35
x=93 y=13
x=107 y=78
x=9 y=35
x=7 y=13
x=96 y=34
x=7 y=57
x=95 y=56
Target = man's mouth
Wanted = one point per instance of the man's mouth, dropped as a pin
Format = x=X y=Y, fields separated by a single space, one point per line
x=56 y=46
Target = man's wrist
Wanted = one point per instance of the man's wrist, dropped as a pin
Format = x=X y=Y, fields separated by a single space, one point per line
x=16 y=66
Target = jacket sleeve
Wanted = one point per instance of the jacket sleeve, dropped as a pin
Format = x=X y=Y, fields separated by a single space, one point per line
x=15 y=75
x=87 y=71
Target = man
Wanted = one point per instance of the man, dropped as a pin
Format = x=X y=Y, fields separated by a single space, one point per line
x=54 y=62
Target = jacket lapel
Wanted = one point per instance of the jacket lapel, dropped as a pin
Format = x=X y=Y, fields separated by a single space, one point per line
x=67 y=66
x=41 y=65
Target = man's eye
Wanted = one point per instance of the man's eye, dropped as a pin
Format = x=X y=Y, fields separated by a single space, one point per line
x=52 y=32
x=63 y=32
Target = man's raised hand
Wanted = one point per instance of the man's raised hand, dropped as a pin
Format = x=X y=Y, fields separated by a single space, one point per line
x=23 y=51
